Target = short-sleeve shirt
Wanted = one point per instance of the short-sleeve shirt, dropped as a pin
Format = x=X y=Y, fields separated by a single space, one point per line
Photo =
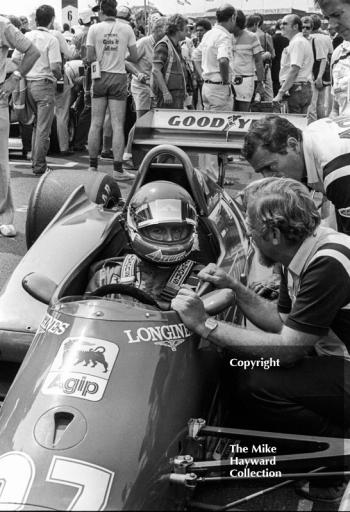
x=217 y=43
x=145 y=47
x=111 y=40
x=10 y=37
x=326 y=148
x=49 y=49
x=245 y=47
x=297 y=53
x=315 y=289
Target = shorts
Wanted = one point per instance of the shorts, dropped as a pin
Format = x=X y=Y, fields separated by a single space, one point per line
x=142 y=96
x=111 y=85
x=245 y=91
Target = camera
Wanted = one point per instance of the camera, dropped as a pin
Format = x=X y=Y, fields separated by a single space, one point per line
x=238 y=80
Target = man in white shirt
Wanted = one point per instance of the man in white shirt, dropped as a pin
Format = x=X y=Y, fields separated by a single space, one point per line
x=41 y=84
x=213 y=59
x=296 y=67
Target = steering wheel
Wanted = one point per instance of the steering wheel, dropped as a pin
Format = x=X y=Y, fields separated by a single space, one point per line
x=125 y=289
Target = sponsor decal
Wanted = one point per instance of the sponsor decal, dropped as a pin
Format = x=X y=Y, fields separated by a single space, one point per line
x=224 y=123
x=53 y=326
x=170 y=336
x=170 y=258
x=345 y=212
x=81 y=368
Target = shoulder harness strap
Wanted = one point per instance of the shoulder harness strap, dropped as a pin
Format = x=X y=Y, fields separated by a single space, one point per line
x=185 y=272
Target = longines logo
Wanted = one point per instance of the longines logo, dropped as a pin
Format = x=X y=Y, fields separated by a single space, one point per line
x=167 y=335
x=53 y=326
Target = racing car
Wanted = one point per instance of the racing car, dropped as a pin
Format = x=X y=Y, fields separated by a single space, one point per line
x=116 y=405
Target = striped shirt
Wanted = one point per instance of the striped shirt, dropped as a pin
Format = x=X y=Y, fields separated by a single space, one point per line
x=245 y=47
x=326 y=147
x=315 y=288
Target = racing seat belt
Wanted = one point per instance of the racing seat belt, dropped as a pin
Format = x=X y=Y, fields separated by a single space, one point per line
x=185 y=272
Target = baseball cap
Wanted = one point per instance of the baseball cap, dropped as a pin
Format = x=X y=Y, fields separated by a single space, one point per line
x=124 y=12
x=85 y=16
x=103 y=3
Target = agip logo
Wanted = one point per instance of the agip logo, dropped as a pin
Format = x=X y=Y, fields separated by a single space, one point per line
x=81 y=368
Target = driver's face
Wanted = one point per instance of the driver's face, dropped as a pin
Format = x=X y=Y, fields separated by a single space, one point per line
x=167 y=232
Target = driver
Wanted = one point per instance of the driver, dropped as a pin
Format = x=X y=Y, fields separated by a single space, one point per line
x=162 y=227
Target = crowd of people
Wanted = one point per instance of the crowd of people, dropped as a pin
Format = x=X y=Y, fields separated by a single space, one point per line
x=233 y=65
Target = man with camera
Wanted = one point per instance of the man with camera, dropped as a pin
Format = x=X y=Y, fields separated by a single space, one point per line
x=41 y=83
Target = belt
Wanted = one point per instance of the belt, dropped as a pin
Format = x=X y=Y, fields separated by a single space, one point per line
x=300 y=83
x=215 y=83
x=46 y=80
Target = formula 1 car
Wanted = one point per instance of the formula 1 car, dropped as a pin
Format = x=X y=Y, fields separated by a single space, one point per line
x=111 y=405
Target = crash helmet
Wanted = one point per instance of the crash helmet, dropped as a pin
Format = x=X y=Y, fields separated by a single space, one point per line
x=164 y=205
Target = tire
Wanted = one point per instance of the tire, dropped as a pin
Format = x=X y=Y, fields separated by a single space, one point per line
x=56 y=186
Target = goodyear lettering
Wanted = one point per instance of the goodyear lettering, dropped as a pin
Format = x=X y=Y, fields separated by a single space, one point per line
x=225 y=123
x=74 y=386
x=53 y=326
x=158 y=333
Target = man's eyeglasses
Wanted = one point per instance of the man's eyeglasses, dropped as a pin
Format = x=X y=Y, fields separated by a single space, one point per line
x=284 y=23
x=306 y=27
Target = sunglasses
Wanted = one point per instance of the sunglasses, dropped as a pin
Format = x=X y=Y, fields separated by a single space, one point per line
x=307 y=28
x=284 y=23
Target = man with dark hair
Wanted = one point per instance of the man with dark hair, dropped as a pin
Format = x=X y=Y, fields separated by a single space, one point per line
x=168 y=81
x=41 y=84
x=108 y=43
x=247 y=60
x=338 y=14
x=202 y=26
x=318 y=156
x=296 y=67
x=213 y=59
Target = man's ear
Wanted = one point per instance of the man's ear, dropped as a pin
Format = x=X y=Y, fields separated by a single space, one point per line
x=275 y=236
x=293 y=144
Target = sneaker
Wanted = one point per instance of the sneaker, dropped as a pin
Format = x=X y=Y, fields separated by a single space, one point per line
x=93 y=169
x=123 y=176
x=129 y=165
x=8 y=230
x=107 y=155
x=68 y=152
x=324 y=493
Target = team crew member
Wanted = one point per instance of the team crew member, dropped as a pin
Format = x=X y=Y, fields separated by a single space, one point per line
x=318 y=156
x=41 y=84
x=307 y=394
x=107 y=45
x=162 y=225
x=10 y=37
x=247 y=58
x=213 y=60
x=296 y=67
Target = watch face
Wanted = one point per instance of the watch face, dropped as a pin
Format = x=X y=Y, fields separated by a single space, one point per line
x=211 y=323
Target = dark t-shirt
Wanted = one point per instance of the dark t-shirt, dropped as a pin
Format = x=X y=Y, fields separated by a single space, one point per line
x=324 y=289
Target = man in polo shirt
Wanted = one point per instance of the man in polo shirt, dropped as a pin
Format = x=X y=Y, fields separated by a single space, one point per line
x=213 y=60
x=41 y=84
x=318 y=156
x=10 y=37
x=306 y=334
x=296 y=67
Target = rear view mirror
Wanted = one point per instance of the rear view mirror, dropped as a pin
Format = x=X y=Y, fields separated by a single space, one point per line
x=40 y=287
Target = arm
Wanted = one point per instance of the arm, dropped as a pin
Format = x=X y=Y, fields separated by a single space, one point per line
x=318 y=79
x=288 y=346
x=224 y=66
x=141 y=77
x=260 y=72
x=198 y=69
x=133 y=56
x=159 y=79
x=90 y=54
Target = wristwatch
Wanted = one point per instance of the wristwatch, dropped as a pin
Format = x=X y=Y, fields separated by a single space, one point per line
x=210 y=325
x=17 y=74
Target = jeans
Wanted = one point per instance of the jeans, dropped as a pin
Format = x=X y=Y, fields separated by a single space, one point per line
x=63 y=102
x=6 y=203
x=41 y=95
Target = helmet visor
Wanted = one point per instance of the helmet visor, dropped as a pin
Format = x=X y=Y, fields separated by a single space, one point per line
x=164 y=211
